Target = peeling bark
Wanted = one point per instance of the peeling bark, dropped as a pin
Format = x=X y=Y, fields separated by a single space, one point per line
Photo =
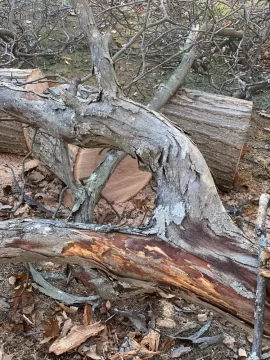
x=221 y=272
x=192 y=245
x=196 y=246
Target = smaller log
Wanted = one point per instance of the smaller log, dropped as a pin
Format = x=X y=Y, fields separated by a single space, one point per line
x=217 y=124
x=12 y=139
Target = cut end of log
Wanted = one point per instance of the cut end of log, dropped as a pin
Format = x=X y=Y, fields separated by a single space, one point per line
x=126 y=181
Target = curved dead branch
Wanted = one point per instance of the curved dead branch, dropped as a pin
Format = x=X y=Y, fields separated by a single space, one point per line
x=10 y=39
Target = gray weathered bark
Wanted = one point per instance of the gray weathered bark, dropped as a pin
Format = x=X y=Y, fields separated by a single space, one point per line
x=193 y=244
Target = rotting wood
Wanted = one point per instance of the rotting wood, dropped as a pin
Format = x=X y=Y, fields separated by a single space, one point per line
x=219 y=280
x=217 y=124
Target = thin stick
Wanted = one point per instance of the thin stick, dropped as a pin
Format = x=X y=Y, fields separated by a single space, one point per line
x=261 y=281
x=23 y=167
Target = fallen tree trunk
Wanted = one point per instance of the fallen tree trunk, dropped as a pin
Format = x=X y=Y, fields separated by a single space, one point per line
x=217 y=124
x=211 y=268
x=192 y=244
x=196 y=247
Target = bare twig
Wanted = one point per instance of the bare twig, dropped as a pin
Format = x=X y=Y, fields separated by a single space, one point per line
x=23 y=175
x=57 y=294
x=261 y=281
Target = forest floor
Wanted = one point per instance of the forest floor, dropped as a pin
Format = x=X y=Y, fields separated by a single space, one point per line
x=31 y=321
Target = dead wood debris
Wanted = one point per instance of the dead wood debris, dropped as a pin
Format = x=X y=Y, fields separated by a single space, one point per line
x=57 y=294
x=76 y=336
x=261 y=280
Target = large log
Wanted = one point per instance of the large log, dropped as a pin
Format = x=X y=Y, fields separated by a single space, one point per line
x=193 y=244
x=125 y=182
x=216 y=278
x=217 y=124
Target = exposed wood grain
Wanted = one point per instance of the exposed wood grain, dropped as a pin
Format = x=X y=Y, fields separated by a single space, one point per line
x=11 y=133
x=214 y=274
x=217 y=124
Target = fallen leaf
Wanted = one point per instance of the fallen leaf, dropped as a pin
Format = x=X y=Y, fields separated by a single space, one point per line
x=4 y=356
x=52 y=329
x=151 y=340
x=68 y=309
x=87 y=314
x=66 y=327
x=12 y=280
x=202 y=317
x=182 y=350
x=242 y=353
x=229 y=341
x=137 y=319
x=28 y=309
x=92 y=353
x=108 y=305
x=76 y=336
x=31 y=164
x=264 y=114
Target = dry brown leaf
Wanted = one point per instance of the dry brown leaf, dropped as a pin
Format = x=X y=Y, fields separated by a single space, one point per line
x=108 y=305
x=167 y=313
x=250 y=338
x=76 y=336
x=202 y=317
x=66 y=327
x=31 y=164
x=45 y=340
x=242 y=353
x=151 y=340
x=167 y=344
x=48 y=200
x=52 y=329
x=68 y=309
x=36 y=177
x=23 y=211
x=28 y=309
x=87 y=314
x=92 y=353
x=229 y=341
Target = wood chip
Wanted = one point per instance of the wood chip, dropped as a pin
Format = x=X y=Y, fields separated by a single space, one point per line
x=77 y=335
x=202 y=317
x=242 y=353
x=182 y=350
x=151 y=340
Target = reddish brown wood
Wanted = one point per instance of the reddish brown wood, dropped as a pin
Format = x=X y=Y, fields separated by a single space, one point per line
x=226 y=285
